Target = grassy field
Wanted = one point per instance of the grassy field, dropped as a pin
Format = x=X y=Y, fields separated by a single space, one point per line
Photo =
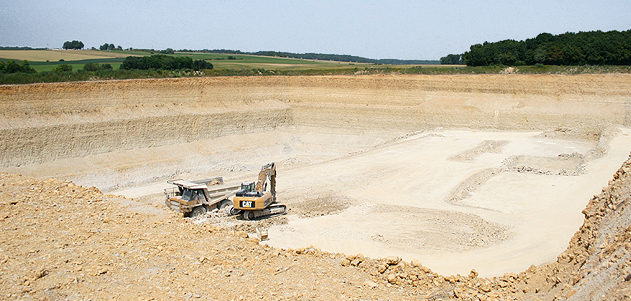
x=46 y=60
x=243 y=61
x=76 y=65
x=56 y=55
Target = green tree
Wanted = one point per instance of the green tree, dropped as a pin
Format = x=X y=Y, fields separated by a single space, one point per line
x=555 y=55
x=594 y=47
x=73 y=45
x=168 y=51
x=26 y=68
x=476 y=56
x=90 y=67
x=63 y=68
x=202 y=65
x=452 y=59
x=13 y=67
x=165 y=62
x=96 y=67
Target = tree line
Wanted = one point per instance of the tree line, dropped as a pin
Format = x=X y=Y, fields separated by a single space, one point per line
x=324 y=57
x=164 y=62
x=107 y=46
x=343 y=58
x=19 y=48
x=583 y=48
x=13 y=67
x=452 y=59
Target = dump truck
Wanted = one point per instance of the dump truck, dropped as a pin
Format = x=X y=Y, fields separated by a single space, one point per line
x=253 y=199
x=195 y=198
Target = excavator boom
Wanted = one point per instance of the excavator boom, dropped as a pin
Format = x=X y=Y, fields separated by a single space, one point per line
x=267 y=172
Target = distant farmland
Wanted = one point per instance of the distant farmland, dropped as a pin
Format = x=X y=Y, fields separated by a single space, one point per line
x=56 y=55
x=46 y=60
x=224 y=64
x=243 y=61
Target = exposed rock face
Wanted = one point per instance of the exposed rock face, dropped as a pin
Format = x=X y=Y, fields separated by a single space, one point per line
x=43 y=122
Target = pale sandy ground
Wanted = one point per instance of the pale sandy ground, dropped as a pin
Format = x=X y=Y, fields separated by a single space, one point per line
x=398 y=202
x=391 y=197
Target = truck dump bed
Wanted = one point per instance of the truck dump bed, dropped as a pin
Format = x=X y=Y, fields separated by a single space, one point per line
x=213 y=194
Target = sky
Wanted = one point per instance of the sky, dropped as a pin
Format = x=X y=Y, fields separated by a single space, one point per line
x=424 y=30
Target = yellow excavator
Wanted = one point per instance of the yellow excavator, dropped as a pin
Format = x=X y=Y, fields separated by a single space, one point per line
x=253 y=200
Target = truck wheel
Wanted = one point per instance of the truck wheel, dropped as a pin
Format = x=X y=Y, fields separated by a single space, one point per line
x=198 y=211
x=232 y=211
x=235 y=211
x=225 y=203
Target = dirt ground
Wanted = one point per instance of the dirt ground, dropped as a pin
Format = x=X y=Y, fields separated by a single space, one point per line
x=60 y=241
x=423 y=175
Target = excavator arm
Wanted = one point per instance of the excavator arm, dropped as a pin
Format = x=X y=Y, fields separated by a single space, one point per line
x=268 y=172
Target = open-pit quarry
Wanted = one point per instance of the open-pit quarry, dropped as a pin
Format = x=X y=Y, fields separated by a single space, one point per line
x=503 y=179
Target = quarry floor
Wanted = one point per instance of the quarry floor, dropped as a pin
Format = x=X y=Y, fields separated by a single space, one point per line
x=360 y=194
x=484 y=172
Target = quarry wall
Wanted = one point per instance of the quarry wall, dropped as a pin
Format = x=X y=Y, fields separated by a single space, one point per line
x=43 y=122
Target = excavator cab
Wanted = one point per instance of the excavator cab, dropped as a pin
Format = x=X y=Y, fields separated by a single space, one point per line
x=247 y=186
x=248 y=190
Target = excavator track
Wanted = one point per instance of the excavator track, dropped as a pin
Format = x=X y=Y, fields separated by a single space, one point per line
x=273 y=209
